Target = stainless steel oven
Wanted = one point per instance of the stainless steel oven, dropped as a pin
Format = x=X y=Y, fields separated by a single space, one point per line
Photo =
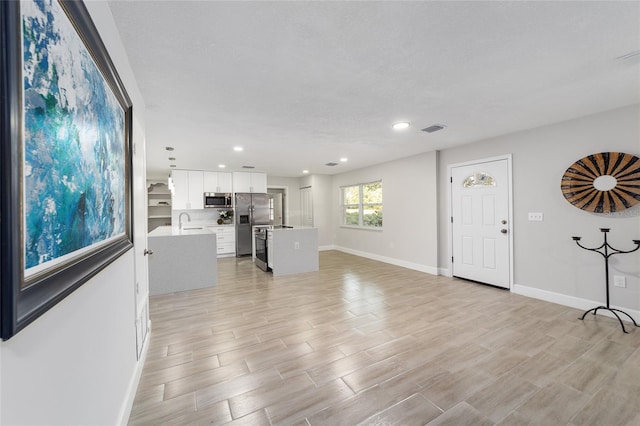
x=262 y=260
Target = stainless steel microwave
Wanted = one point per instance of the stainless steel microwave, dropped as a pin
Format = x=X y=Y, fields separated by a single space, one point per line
x=217 y=200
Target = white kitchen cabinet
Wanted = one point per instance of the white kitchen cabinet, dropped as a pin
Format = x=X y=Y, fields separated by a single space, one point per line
x=218 y=182
x=225 y=182
x=225 y=240
x=241 y=182
x=180 y=190
x=250 y=182
x=270 y=249
x=196 y=191
x=188 y=190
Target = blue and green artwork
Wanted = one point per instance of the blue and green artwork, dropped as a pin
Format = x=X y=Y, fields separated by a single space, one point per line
x=73 y=143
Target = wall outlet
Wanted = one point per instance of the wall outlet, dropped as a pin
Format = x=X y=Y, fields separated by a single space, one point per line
x=620 y=281
x=536 y=216
x=296 y=245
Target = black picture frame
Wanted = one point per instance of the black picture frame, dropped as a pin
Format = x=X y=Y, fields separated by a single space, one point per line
x=20 y=303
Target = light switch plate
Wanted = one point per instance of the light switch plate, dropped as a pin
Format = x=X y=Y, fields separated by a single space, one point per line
x=536 y=216
x=620 y=281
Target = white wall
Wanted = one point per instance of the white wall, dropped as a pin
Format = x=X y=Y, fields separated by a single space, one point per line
x=323 y=200
x=76 y=363
x=73 y=365
x=292 y=202
x=323 y=205
x=547 y=261
x=410 y=234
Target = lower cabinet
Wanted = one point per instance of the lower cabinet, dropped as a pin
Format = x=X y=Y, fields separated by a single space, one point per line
x=225 y=239
x=270 y=249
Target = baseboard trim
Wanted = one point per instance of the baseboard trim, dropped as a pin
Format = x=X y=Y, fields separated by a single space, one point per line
x=127 y=406
x=409 y=265
x=445 y=272
x=570 y=301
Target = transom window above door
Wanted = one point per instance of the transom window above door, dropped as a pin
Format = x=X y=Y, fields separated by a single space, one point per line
x=479 y=180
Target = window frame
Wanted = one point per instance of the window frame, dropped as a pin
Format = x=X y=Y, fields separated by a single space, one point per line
x=361 y=205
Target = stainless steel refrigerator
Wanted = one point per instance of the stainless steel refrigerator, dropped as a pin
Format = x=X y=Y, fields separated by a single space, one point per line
x=251 y=210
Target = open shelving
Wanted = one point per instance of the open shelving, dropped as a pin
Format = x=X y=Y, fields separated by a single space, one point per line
x=158 y=204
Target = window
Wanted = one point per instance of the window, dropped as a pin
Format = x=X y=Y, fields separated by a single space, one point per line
x=479 y=180
x=362 y=205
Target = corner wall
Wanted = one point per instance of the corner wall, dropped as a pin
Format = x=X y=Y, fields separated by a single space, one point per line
x=547 y=263
x=73 y=365
x=294 y=214
x=409 y=235
x=76 y=364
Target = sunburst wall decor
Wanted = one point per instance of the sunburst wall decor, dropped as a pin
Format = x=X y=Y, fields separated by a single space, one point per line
x=603 y=183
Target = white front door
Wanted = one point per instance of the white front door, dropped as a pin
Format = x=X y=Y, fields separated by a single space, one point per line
x=480 y=228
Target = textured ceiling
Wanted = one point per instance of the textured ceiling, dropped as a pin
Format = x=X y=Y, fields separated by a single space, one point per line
x=300 y=84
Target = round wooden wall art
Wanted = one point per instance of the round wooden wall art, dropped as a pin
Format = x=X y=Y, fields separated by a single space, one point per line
x=603 y=183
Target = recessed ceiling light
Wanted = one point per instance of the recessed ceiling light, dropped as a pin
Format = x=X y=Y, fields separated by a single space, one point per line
x=344 y=159
x=401 y=125
x=238 y=148
x=172 y=158
x=305 y=171
x=221 y=166
x=168 y=148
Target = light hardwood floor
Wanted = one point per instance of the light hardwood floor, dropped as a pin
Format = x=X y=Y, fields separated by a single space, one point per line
x=364 y=342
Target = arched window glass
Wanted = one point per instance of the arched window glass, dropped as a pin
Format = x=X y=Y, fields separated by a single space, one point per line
x=479 y=180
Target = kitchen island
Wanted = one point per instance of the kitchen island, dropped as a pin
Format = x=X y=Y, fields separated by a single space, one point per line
x=182 y=259
x=292 y=250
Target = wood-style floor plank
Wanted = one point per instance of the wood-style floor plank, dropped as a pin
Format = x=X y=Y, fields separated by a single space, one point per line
x=364 y=342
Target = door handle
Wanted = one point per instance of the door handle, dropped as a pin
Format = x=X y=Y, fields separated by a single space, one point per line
x=147 y=252
x=504 y=231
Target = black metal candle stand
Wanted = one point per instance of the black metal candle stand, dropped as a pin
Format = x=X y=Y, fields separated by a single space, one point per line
x=607 y=251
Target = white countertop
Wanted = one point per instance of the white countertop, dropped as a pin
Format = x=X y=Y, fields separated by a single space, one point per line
x=288 y=228
x=174 y=231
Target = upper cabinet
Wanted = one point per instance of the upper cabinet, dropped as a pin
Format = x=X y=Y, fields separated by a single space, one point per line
x=189 y=186
x=249 y=182
x=188 y=189
x=218 y=182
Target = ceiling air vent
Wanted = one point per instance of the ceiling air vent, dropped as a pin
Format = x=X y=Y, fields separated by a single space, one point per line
x=248 y=167
x=630 y=58
x=331 y=164
x=433 y=128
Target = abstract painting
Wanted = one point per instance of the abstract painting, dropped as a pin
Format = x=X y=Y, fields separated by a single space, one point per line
x=71 y=163
x=74 y=158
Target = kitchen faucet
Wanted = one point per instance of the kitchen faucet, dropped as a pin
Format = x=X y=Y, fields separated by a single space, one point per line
x=180 y=219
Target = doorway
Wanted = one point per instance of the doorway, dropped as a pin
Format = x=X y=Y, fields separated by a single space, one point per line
x=277 y=206
x=481 y=221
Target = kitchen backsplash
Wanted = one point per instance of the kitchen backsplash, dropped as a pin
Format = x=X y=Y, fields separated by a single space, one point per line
x=208 y=216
